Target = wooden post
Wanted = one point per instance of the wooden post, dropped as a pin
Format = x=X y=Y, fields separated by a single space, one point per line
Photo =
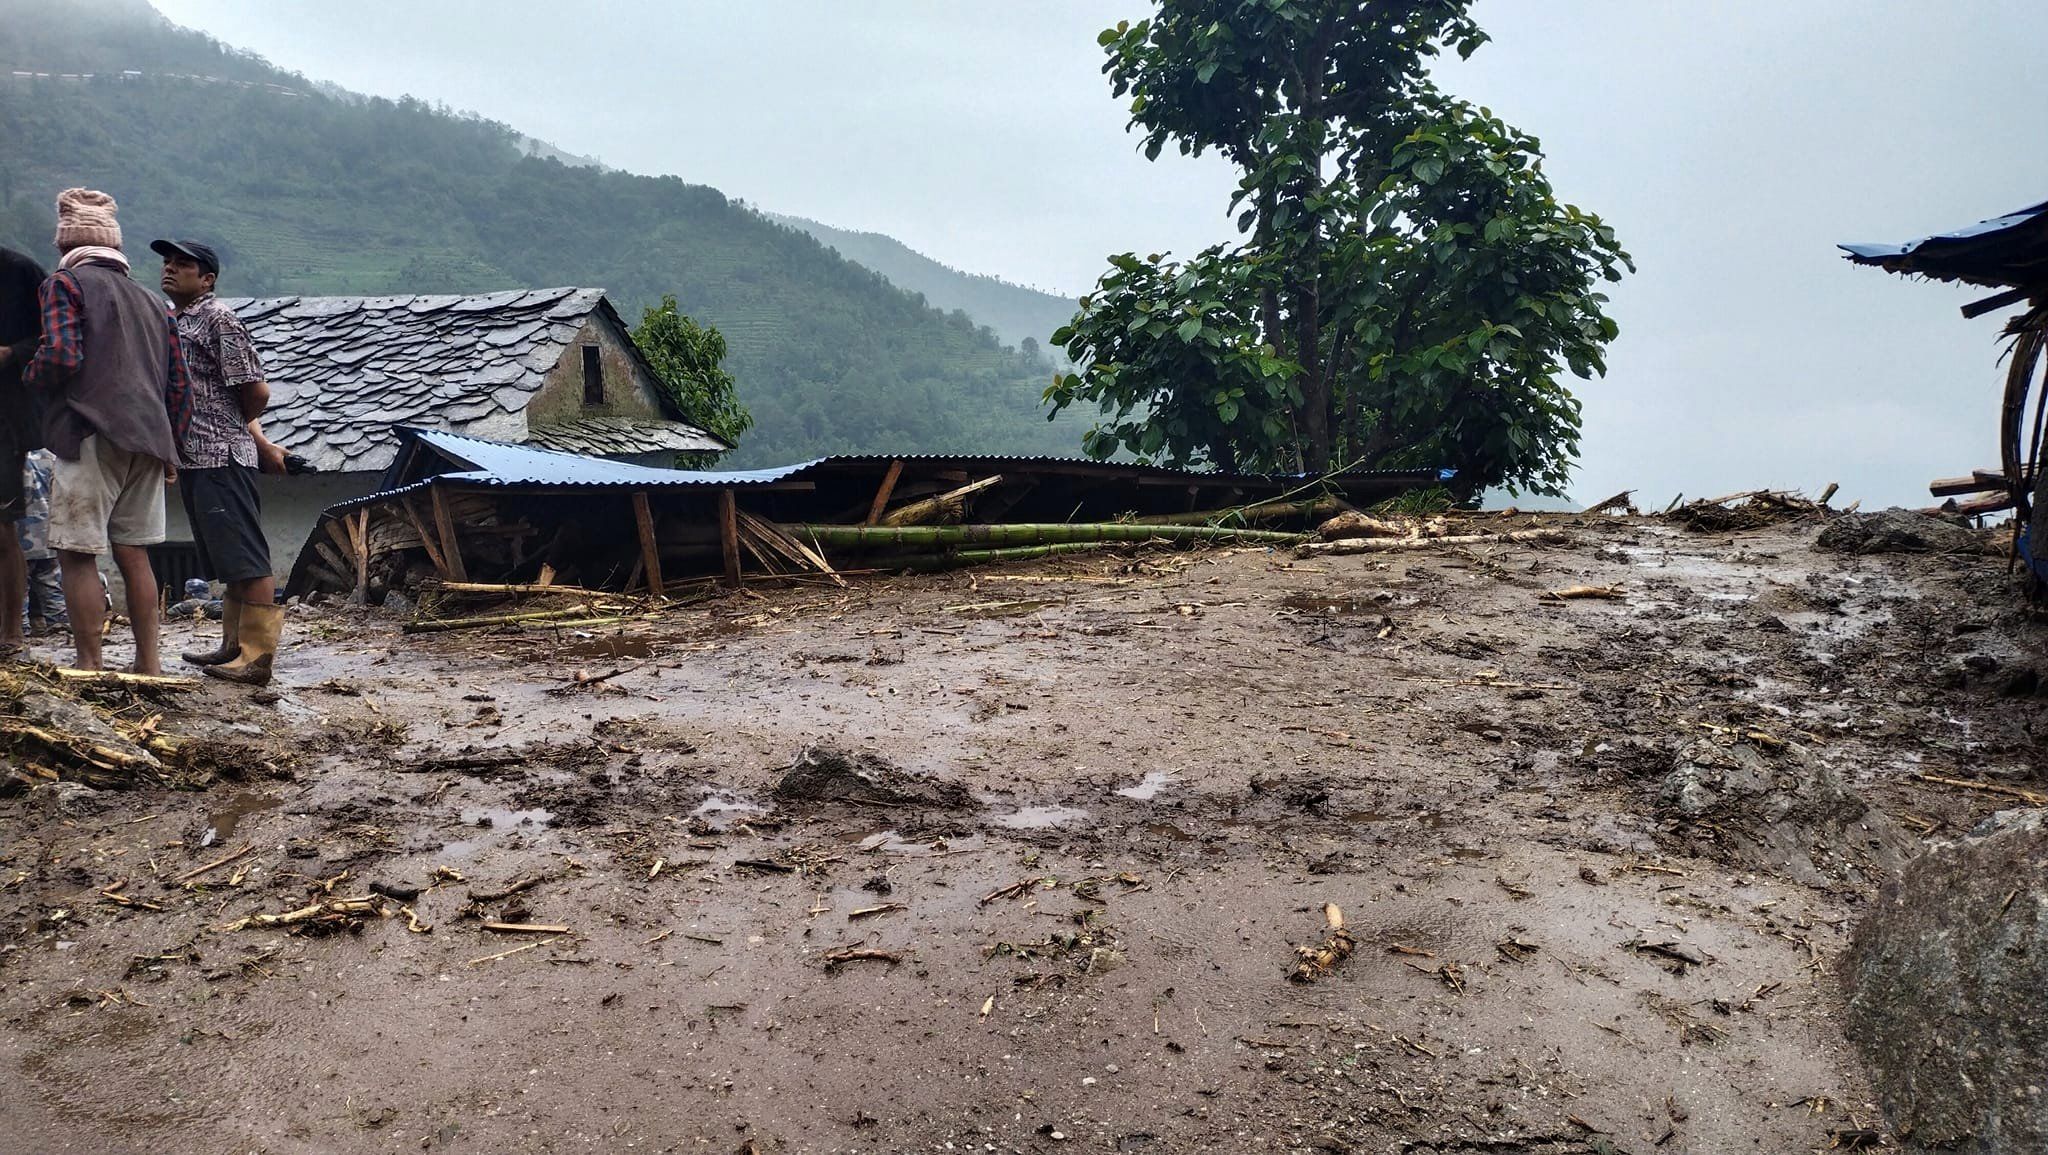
x=650 y=551
x=362 y=544
x=729 y=534
x=882 y=494
x=444 y=525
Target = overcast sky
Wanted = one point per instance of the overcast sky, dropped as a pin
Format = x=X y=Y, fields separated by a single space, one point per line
x=1732 y=143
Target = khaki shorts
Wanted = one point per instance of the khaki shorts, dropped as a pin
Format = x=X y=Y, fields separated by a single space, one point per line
x=108 y=494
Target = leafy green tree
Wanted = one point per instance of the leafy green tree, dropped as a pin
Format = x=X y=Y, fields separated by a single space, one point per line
x=1409 y=288
x=686 y=356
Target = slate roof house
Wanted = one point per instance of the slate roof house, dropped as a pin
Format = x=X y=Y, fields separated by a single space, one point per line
x=554 y=368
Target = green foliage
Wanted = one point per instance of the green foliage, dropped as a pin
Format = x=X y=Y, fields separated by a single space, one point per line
x=1410 y=290
x=686 y=357
x=316 y=193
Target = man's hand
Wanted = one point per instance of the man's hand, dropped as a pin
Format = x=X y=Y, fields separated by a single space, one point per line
x=269 y=456
x=170 y=474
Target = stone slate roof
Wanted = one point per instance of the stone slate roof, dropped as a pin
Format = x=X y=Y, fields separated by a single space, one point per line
x=345 y=371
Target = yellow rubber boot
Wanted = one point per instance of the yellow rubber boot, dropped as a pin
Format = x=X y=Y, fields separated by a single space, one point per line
x=260 y=629
x=230 y=638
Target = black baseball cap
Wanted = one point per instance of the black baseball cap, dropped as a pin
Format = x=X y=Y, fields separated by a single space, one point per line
x=203 y=254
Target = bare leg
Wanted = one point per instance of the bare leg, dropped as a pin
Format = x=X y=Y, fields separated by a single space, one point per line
x=256 y=591
x=13 y=585
x=84 y=595
x=140 y=579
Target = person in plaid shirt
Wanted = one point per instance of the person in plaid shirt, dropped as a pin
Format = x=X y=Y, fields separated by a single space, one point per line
x=112 y=378
x=221 y=452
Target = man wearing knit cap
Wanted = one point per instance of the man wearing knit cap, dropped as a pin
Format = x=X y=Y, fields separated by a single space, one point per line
x=112 y=380
x=21 y=328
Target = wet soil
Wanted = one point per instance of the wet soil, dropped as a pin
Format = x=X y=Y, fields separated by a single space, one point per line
x=1178 y=760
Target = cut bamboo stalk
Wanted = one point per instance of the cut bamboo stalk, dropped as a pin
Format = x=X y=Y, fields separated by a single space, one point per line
x=578 y=614
x=1261 y=511
x=945 y=508
x=883 y=491
x=1375 y=544
x=650 y=552
x=1027 y=533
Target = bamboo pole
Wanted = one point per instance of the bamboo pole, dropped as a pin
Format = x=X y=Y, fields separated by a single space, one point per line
x=957 y=559
x=1378 y=544
x=1263 y=511
x=435 y=625
x=1048 y=533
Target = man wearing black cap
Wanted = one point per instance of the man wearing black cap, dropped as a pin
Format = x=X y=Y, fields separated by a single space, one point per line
x=220 y=457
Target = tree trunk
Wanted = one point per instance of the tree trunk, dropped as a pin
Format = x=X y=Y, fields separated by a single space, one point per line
x=1307 y=285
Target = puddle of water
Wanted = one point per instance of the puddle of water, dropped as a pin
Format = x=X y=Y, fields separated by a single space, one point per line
x=607 y=648
x=1365 y=816
x=1039 y=817
x=1149 y=788
x=498 y=817
x=221 y=823
x=1336 y=603
x=1168 y=831
x=720 y=811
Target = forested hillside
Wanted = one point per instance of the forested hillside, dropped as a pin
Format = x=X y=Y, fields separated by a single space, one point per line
x=316 y=193
x=1015 y=312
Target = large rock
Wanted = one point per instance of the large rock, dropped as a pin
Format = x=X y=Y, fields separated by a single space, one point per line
x=1780 y=809
x=829 y=774
x=1900 y=531
x=1946 y=977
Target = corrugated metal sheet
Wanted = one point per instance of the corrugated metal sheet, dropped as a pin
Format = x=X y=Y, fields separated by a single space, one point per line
x=2004 y=250
x=497 y=463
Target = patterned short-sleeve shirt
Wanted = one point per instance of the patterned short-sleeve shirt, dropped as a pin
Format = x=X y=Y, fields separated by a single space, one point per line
x=221 y=360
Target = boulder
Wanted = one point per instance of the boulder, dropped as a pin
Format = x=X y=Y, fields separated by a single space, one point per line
x=1945 y=975
x=829 y=774
x=1901 y=531
x=1781 y=809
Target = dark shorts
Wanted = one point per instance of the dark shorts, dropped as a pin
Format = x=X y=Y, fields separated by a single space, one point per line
x=227 y=522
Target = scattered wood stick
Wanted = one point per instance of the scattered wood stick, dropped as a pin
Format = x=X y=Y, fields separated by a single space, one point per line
x=1575 y=593
x=835 y=959
x=1317 y=961
x=509 y=953
x=1024 y=886
x=516 y=886
x=186 y=878
x=2030 y=797
x=871 y=911
x=335 y=908
x=526 y=927
x=123 y=678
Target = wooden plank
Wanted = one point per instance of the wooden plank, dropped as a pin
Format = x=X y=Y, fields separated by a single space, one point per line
x=426 y=539
x=729 y=534
x=650 y=551
x=1989 y=503
x=882 y=494
x=361 y=533
x=445 y=527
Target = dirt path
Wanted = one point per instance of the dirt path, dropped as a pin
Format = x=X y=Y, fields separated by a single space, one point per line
x=1176 y=761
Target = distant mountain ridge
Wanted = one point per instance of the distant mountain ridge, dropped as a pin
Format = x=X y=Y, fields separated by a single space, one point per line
x=1014 y=311
x=318 y=194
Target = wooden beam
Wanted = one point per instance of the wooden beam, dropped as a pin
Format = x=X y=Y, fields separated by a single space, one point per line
x=1976 y=309
x=444 y=525
x=729 y=534
x=426 y=539
x=650 y=551
x=882 y=494
x=361 y=532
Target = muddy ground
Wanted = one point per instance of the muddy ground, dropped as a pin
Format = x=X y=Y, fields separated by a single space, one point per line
x=1175 y=759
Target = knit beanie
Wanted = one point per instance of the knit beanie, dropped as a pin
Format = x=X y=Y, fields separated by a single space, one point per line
x=86 y=217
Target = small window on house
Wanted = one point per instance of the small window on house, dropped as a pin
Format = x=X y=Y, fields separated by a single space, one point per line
x=593 y=376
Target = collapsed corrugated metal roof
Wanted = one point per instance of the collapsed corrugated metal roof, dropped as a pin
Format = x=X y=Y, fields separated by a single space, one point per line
x=2008 y=251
